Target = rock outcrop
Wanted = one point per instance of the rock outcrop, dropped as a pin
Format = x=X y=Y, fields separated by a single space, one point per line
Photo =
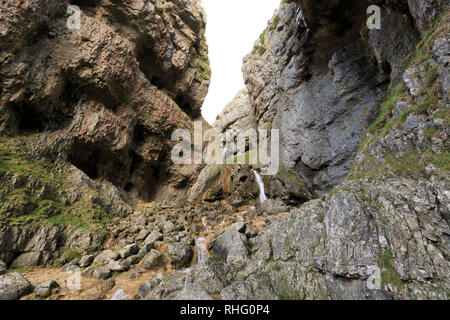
x=107 y=96
x=384 y=231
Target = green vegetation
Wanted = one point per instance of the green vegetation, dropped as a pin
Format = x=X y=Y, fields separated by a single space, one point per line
x=261 y=48
x=388 y=273
x=38 y=196
x=414 y=162
x=275 y=22
x=443 y=113
x=285 y=291
x=262 y=37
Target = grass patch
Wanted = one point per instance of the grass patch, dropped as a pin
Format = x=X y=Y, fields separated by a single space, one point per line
x=388 y=273
x=414 y=162
x=21 y=203
x=275 y=22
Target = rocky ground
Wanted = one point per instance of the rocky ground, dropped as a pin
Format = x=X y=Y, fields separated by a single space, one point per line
x=156 y=253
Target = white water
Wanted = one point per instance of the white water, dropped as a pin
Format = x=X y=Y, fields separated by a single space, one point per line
x=259 y=181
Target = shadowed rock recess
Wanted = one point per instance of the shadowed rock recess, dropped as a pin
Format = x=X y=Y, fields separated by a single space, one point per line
x=359 y=209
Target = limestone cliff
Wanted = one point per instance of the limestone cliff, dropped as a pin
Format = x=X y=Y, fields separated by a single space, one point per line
x=87 y=113
x=364 y=112
x=105 y=98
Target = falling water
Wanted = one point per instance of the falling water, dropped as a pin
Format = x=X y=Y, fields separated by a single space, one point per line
x=259 y=181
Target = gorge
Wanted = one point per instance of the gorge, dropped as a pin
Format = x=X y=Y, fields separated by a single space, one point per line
x=360 y=205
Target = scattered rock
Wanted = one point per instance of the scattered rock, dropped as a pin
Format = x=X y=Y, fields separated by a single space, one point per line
x=274 y=206
x=105 y=257
x=128 y=250
x=107 y=285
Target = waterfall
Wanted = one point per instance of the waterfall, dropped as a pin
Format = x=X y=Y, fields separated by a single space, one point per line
x=259 y=181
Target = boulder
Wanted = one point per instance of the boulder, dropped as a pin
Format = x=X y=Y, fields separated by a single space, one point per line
x=145 y=289
x=128 y=250
x=255 y=287
x=86 y=260
x=212 y=275
x=193 y=291
x=180 y=254
x=231 y=247
x=153 y=260
x=101 y=272
x=118 y=266
x=13 y=286
x=153 y=237
x=105 y=257
x=45 y=289
x=274 y=206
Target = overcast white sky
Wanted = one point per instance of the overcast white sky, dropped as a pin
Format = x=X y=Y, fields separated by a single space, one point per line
x=231 y=30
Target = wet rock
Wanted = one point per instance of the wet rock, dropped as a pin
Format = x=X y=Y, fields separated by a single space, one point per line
x=101 y=272
x=231 y=247
x=180 y=254
x=153 y=260
x=46 y=289
x=193 y=291
x=13 y=286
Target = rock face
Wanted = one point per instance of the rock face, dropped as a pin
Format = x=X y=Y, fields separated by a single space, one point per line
x=384 y=232
x=319 y=80
x=106 y=98
x=86 y=115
